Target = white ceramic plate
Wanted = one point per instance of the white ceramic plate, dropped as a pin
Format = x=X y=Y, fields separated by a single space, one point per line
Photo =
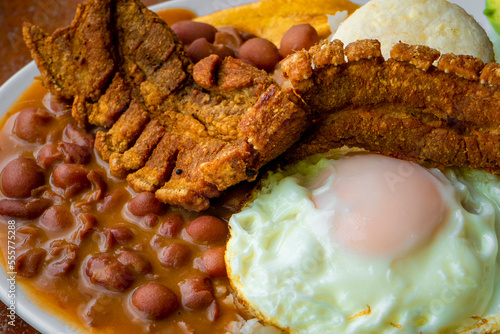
x=12 y=88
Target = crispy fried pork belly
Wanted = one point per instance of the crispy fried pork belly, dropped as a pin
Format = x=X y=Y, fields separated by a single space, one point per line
x=388 y=129
x=443 y=116
x=76 y=62
x=216 y=134
x=185 y=132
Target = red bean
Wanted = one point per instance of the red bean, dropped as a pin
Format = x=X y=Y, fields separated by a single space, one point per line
x=230 y=37
x=62 y=257
x=150 y=220
x=112 y=200
x=57 y=218
x=122 y=234
x=105 y=270
x=136 y=262
x=87 y=223
x=20 y=177
x=196 y=292
x=74 y=154
x=156 y=242
x=207 y=229
x=223 y=51
x=99 y=187
x=155 y=301
x=145 y=203
x=24 y=209
x=32 y=125
x=298 y=37
x=171 y=226
x=117 y=234
x=261 y=53
x=175 y=255
x=188 y=31
x=247 y=35
x=49 y=155
x=55 y=107
x=78 y=136
x=72 y=178
x=201 y=48
x=213 y=260
x=28 y=264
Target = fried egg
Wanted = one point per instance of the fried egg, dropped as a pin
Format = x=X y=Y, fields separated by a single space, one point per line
x=364 y=243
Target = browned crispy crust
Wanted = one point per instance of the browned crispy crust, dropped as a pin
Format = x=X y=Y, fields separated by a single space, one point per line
x=189 y=132
x=76 y=61
x=442 y=116
x=186 y=132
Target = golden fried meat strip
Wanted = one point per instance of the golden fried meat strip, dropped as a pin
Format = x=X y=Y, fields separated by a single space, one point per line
x=406 y=107
x=76 y=62
x=183 y=131
x=388 y=129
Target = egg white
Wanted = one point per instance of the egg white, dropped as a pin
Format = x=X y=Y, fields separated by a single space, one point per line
x=286 y=267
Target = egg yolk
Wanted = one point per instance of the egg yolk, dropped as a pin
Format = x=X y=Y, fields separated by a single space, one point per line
x=381 y=206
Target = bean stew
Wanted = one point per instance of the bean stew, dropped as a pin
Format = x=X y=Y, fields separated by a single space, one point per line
x=90 y=248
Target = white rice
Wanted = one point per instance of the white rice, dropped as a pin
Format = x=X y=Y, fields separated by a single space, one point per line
x=436 y=23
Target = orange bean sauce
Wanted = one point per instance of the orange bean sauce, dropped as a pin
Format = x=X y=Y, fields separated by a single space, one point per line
x=69 y=294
